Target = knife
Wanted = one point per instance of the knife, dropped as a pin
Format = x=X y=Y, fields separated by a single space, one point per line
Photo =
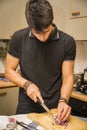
x=46 y=109
x=26 y=126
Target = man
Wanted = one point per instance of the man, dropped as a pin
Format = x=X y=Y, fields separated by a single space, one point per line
x=46 y=58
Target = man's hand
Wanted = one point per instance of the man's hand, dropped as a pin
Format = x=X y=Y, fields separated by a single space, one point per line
x=64 y=111
x=33 y=92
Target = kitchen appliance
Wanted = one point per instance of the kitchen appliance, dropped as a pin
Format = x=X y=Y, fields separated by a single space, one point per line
x=46 y=109
x=85 y=75
x=78 y=79
x=80 y=84
x=82 y=88
x=79 y=108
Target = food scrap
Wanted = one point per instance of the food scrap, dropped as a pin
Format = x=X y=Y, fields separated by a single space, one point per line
x=58 y=122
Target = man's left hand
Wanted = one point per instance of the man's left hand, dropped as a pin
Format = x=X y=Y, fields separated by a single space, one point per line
x=64 y=111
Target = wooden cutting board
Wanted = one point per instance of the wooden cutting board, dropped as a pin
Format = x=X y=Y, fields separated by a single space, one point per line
x=45 y=121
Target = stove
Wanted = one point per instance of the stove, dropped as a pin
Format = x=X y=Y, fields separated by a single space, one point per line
x=82 y=88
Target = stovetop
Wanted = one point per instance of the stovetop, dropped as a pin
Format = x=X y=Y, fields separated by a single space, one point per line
x=81 y=88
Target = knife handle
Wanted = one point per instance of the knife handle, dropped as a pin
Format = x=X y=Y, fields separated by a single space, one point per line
x=38 y=100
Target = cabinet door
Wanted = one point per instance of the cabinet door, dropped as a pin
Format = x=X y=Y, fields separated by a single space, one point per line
x=78 y=6
x=9 y=18
x=23 y=22
x=8 y=101
x=79 y=28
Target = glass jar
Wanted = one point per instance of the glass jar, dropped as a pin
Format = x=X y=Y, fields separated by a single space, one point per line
x=11 y=125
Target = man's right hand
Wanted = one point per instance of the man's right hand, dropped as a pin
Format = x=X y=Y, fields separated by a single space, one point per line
x=34 y=93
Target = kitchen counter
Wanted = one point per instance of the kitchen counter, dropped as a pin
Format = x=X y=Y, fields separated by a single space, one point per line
x=79 y=96
x=76 y=95
x=6 y=84
x=42 y=121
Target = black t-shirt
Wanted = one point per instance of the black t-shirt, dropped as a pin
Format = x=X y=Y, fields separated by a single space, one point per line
x=41 y=62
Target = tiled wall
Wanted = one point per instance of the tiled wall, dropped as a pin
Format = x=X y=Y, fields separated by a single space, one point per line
x=81 y=56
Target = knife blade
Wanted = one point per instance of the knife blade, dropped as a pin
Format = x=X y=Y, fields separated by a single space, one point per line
x=46 y=109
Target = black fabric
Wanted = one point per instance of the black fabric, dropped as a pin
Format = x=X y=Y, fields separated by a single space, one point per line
x=41 y=62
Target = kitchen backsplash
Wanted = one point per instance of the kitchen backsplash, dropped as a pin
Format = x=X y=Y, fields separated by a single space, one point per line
x=81 y=56
x=80 y=61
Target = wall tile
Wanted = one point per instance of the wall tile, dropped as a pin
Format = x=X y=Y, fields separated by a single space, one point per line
x=81 y=56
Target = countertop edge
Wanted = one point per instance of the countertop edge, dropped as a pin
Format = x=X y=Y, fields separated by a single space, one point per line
x=75 y=94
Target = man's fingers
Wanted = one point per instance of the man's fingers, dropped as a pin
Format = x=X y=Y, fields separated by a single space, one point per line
x=63 y=111
x=65 y=114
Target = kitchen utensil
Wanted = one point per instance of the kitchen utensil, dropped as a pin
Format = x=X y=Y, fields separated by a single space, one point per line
x=26 y=126
x=46 y=109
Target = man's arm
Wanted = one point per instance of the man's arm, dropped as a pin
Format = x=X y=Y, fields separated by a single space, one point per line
x=11 y=74
x=64 y=109
x=10 y=70
x=67 y=76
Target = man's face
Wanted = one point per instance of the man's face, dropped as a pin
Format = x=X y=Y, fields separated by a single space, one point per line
x=43 y=36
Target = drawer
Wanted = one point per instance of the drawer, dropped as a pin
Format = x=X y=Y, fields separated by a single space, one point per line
x=8 y=100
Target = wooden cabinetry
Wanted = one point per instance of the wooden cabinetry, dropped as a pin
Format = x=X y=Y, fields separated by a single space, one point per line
x=8 y=100
x=9 y=18
x=79 y=28
x=78 y=19
x=12 y=17
x=23 y=22
x=78 y=8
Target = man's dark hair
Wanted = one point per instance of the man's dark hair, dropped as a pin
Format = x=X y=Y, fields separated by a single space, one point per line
x=39 y=14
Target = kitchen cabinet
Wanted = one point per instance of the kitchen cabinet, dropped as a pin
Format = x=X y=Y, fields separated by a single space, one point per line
x=78 y=8
x=9 y=18
x=23 y=22
x=8 y=100
x=78 y=28
x=12 y=17
x=78 y=19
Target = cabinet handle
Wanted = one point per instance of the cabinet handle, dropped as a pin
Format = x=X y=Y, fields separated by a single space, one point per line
x=75 y=13
x=3 y=93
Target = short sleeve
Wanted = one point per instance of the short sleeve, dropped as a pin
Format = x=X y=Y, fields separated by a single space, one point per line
x=70 y=49
x=14 y=46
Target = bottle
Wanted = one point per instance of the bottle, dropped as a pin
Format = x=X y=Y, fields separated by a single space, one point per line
x=12 y=124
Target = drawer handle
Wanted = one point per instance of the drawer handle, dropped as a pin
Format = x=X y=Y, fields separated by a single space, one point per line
x=3 y=93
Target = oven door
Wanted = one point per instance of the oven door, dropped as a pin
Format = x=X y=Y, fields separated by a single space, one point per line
x=79 y=108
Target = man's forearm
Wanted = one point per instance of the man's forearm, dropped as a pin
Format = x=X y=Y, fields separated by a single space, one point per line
x=15 y=77
x=67 y=88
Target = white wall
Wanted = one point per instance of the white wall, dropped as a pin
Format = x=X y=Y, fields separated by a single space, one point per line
x=81 y=56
